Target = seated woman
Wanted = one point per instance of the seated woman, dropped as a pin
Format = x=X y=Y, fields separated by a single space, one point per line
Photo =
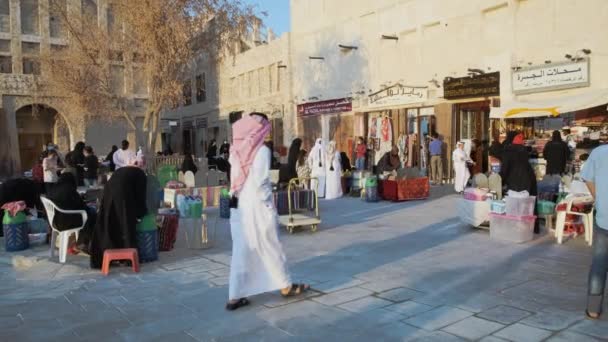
x=390 y=161
x=122 y=206
x=188 y=164
x=65 y=196
x=20 y=189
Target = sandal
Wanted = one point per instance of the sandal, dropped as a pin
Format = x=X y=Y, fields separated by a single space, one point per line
x=239 y=303
x=296 y=290
x=592 y=315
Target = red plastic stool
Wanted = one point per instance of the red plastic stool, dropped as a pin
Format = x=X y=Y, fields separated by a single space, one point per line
x=120 y=254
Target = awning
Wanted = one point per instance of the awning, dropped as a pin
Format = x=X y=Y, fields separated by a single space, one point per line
x=550 y=107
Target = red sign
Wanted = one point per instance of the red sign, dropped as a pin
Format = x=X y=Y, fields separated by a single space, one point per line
x=325 y=107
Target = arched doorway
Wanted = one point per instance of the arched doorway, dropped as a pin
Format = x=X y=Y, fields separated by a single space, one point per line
x=37 y=125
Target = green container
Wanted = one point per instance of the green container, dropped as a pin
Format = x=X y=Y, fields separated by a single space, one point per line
x=196 y=209
x=371 y=182
x=545 y=208
x=148 y=223
x=8 y=219
x=166 y=173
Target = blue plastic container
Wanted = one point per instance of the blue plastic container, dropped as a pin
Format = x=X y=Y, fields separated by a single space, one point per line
x=147 y=245
x=371 y=194
x=16 y=236
x=225 y=207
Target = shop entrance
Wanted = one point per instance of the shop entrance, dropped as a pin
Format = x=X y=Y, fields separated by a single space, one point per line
x=39 y=125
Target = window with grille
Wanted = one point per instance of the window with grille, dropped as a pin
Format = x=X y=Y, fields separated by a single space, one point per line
x=187 y=93
x=57 y=11
x=5 y=16
x=6 y=65
x=30 y=23
x=201 y=88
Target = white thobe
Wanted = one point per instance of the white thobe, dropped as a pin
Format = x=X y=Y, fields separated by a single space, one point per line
x=122 y=158
x=316 y=161
x=258 y=263
x=333 y=179
x=459 y=157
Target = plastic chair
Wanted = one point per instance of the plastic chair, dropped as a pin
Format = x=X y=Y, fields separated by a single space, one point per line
x=189 y=179
x=495 y=184
x=587 y=218
x=481 y=181
x=64 y=236
x=110 y=255
x=180 y=177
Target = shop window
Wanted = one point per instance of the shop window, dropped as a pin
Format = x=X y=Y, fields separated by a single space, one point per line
x=29 y=17
x=201 y=88
x=58 y=10
x=6 y=64
x=5 y=16
x=468 y=123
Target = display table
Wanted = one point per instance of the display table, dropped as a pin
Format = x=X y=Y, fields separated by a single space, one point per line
x=404 y=189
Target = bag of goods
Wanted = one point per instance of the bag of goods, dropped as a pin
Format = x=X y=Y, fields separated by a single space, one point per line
x=15 y=227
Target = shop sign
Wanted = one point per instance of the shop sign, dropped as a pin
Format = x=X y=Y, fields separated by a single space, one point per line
x=201 y=123
x=325 y=107
x=398 y=95
x=551 y=77
x=187 y=124
x=474 y=86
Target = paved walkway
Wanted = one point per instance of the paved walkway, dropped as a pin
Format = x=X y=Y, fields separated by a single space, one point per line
x=380 y=272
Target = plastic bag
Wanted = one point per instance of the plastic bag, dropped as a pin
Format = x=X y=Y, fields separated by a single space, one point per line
x=518 y=194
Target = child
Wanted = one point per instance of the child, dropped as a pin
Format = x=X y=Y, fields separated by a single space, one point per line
x=360 y=151
x=91 y=164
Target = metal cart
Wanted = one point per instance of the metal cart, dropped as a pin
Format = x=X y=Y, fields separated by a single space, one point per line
x=299 y=218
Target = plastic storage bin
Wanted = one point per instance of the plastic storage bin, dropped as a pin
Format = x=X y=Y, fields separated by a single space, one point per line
x=474 y=194
x=545 y=208
x=516 y=229
x=520 y=206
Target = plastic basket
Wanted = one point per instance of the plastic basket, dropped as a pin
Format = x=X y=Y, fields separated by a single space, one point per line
x=147 y=245
x=16 y=236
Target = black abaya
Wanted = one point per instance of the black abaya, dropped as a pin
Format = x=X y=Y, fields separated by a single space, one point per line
x=288 y=172
x=123 y=203
x=556 y=153
x=516 y=172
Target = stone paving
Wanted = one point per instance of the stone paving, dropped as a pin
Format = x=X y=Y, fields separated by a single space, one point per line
x=380 y=272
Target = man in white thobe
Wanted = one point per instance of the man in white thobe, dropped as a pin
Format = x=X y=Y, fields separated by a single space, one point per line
x=317 y=161
x=124 y=156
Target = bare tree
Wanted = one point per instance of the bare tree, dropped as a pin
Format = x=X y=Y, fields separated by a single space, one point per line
x=151 y=42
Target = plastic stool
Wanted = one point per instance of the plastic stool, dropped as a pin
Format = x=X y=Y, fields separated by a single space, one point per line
x=120 y=254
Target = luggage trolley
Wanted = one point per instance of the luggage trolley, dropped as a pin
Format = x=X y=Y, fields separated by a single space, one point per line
x=300 y=218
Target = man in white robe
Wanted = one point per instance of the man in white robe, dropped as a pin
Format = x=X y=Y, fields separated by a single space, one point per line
x=461 y=170
x=124 y=156
x=258 y=263
x=333 y=178
x=317 y=161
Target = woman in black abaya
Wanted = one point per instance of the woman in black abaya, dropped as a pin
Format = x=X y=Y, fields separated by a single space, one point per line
x=122 y=205
x=288 y=172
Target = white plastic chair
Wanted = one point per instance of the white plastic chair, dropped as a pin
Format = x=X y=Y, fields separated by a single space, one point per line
x=189 y=179
x=587 y=218
x=64 y=236
x=180 y=177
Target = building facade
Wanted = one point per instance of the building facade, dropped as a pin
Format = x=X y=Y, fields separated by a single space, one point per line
x=29 y=29
x=435 y=65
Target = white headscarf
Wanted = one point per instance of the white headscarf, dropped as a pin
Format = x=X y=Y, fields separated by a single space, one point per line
x=317 y=151
x=331 y=154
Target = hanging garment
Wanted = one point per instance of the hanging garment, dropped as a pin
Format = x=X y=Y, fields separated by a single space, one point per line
x=258 y=263
x=317 y=161
x=459 y=158
x=333 y=178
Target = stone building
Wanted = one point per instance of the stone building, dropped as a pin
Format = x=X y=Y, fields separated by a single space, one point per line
x=28 y=29
x=255 y=78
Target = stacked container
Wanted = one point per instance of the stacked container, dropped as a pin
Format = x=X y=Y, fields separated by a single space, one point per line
x=517 y=224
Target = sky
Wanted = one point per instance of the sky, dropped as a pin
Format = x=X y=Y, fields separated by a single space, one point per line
x=278 y=14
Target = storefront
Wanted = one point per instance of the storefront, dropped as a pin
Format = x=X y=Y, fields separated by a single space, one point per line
x=328 y=120
x=546 y=100
x=403 y=116
x=472 y=98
